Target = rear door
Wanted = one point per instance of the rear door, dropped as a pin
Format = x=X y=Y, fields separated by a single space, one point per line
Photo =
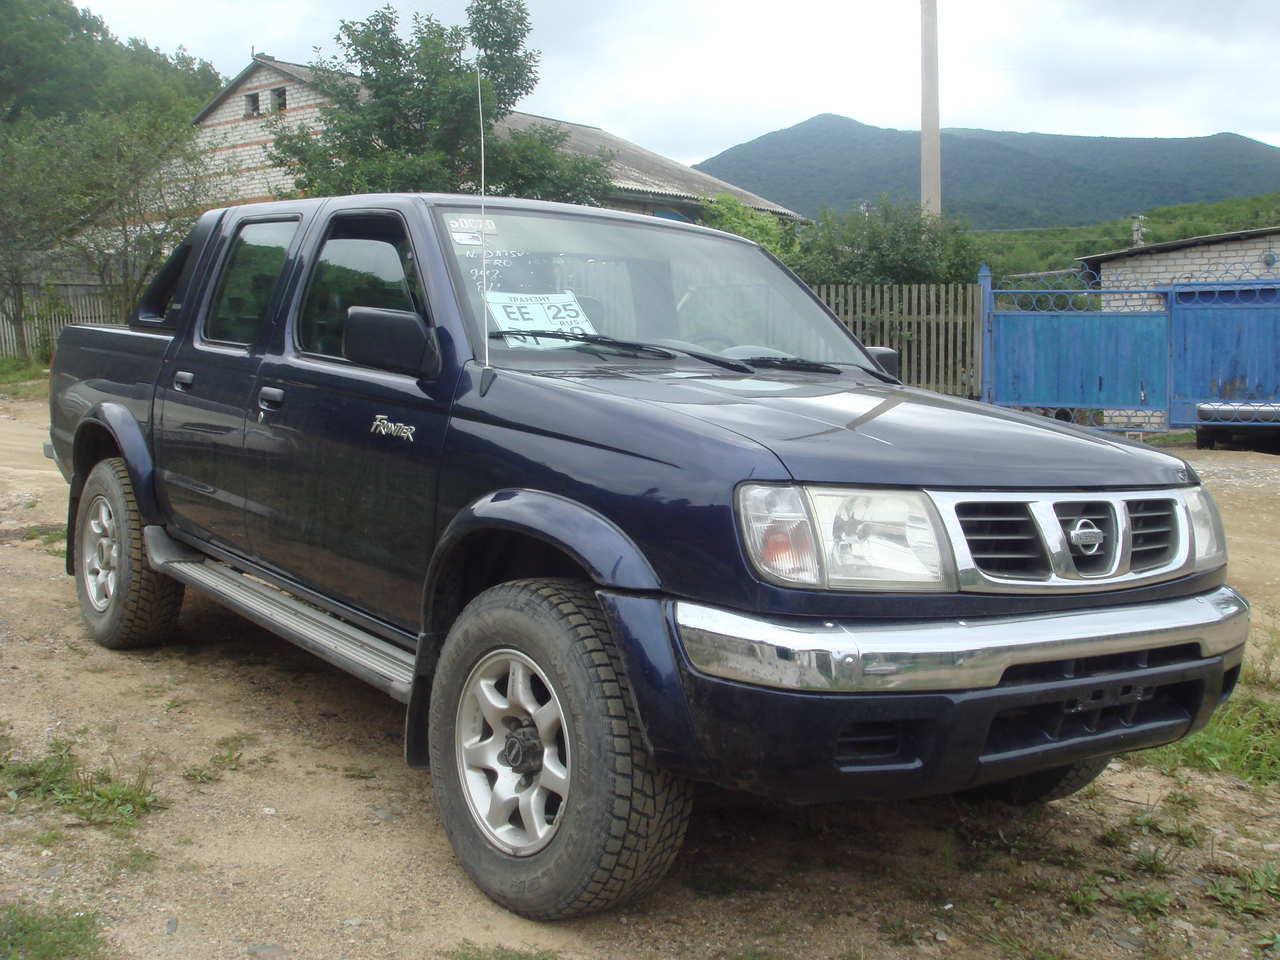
x=206 y=385
x=341 y=497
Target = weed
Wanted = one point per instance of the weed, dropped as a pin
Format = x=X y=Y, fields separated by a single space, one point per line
x=1113 y=837
x=1084 y=899
x=1144 y=904
x=470 y=951
x=1270 y=942
x=1243 y=739
x=1155 y=860
x=358 y=773
x=47 y=839
x=175 y=704
x=42 y=934
x=100 y=797
x=228 y=759
x=1234 y=899
x=201 y=775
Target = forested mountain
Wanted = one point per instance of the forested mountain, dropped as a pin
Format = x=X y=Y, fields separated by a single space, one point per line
x=1055 y=248
x=995 y=179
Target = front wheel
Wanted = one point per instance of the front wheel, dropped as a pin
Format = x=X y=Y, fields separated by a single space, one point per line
x=550 y=801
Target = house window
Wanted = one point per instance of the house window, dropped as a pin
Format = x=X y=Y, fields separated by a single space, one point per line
x=278 y=100
x=251 y=106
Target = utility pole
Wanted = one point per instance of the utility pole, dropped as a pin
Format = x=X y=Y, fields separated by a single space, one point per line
x=930 y=137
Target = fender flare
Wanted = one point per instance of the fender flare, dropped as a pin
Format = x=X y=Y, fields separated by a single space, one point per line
x=596 y=543
x=126 y=432
x=599 y=546
x=132 y=443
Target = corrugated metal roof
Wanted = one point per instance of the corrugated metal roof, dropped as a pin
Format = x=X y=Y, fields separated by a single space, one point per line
x=1207 y=239
x=637 y=172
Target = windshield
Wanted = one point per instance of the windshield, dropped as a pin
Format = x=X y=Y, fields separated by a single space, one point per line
x=589 y=279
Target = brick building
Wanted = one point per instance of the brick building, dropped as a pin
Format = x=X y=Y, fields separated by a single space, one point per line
x=1240 y=255
x=233 y=128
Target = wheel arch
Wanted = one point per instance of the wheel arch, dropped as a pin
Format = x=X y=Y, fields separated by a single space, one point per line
x=508 y=535
x=110 y=430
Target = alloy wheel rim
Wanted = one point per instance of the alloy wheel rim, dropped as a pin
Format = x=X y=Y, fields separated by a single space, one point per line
x=100 y=550
x=512 y=747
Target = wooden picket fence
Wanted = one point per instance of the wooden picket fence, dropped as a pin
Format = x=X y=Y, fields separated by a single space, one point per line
x=935 y=327
x=47 y=315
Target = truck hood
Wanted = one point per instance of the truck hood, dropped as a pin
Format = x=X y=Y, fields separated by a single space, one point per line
x=836 y=430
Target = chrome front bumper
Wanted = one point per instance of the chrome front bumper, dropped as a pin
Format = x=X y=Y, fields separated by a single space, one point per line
x=849 y=656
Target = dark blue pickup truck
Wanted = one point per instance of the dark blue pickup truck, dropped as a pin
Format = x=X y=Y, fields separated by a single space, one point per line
x=614 y=505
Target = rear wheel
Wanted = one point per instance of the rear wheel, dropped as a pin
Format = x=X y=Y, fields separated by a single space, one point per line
x=125 y=603
x=1045 y=785
x=550 y=801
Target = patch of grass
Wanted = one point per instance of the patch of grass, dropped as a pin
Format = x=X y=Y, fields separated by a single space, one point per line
x=1144 y=904
x=358 y=773
x=205 y=774
x=237 y=741
x=133 y=860
x=34 y=933
x=1084 y=899
x=1243 y=739
x=109 y=797
x=470 y=951
x=48 y=838
x=1156 y=860
x=1176 y=438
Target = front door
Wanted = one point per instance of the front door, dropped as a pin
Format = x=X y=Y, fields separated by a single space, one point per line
x=206 y=385
x=341 y=497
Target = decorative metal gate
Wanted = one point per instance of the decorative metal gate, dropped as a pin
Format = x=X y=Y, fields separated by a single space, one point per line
x=1118 y=355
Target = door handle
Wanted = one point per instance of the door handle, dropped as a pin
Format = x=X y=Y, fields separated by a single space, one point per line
x=269 y=397
x=182 y=379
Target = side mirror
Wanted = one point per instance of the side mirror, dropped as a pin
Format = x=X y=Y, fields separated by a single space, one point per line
x=396 y=340
x=887 y=357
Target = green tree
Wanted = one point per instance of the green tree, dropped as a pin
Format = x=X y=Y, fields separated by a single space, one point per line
x=886 y=243
x=403 y=114
x=726 y=212
x=57 y=59
x=158 y=179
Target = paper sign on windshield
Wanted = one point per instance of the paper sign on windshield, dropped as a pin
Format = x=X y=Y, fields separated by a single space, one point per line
x=515 y=312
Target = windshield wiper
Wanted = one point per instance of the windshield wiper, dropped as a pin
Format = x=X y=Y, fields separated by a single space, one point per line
x=878 y=374
x=636 y=346
x=793 y=363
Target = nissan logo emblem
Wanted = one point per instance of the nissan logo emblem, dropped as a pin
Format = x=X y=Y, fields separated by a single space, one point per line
x=1086 y=537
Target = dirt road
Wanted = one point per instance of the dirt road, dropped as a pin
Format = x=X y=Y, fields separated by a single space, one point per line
x=291 y=828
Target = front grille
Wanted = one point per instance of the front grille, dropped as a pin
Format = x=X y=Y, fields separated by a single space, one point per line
x=1003 y=539
x=1092 y=712
x=1154 y=526
x=1077 y=515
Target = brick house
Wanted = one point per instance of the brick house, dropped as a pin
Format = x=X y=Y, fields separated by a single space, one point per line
x=1240 y=255
x=232 y=127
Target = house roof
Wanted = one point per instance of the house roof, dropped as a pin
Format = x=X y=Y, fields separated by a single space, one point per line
x=635 y=171
x=1093 y=260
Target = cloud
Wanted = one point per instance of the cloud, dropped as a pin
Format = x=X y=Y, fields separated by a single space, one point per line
x=691 y=79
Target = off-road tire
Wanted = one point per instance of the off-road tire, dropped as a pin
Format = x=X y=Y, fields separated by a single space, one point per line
x=1045 y=785
x=623 y=820
x=144 y=605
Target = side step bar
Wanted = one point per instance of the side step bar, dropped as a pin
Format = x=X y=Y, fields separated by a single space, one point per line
x=372 y=659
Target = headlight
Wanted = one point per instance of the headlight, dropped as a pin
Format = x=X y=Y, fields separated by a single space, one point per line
x=1207 y=538
x=846 y=539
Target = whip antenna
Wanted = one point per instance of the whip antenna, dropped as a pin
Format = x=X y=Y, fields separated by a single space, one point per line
x=484 y=236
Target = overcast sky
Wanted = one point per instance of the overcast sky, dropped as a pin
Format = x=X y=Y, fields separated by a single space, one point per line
x=690 y=78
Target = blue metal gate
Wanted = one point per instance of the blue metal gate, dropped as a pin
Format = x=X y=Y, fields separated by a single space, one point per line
x=1130 y=357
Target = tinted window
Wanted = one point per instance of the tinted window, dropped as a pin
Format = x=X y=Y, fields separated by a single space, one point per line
x=366 y=261
x=238 y=311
